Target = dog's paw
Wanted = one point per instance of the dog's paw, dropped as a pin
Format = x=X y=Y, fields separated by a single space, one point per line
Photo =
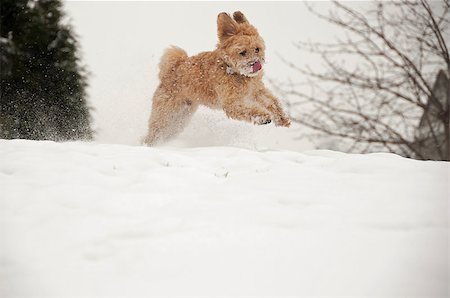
x=261 y=120
x=283 y=122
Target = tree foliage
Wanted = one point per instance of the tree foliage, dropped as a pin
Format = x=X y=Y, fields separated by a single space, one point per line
x=42 y=83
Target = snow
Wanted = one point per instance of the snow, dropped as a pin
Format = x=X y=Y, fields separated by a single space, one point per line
x=81 y=219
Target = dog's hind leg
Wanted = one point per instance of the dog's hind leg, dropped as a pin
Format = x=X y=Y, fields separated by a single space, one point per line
x=168 y=118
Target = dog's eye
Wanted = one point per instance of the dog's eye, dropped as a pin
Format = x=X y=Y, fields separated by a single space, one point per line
x=257 y=50
x=243 y=53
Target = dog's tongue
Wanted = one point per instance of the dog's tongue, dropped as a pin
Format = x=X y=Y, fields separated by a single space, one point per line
x=257 y=66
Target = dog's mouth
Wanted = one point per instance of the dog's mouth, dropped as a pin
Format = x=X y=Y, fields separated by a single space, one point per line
x=251 y=69
x=256 y=67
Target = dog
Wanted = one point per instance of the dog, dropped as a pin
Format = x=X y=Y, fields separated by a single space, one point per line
x=228 y=78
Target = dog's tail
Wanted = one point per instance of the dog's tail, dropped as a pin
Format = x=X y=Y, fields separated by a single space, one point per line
x=171 y=58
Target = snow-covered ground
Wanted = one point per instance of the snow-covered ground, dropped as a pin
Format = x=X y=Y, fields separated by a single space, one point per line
x=82 y=219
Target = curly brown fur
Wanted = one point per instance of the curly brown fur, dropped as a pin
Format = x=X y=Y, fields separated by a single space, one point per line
x=228 y=78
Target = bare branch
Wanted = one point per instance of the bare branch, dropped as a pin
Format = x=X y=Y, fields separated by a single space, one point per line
x=377 y=81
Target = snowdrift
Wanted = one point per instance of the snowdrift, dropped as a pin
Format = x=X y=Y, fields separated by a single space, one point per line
x=87 y=219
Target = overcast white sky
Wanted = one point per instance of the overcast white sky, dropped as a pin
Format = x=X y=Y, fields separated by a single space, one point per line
x=121 y=43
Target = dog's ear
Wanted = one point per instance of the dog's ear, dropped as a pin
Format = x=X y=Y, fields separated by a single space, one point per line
x=239 y=17
x=226 y=26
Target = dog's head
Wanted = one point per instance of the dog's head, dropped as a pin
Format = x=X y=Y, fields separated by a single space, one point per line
x=240 y=45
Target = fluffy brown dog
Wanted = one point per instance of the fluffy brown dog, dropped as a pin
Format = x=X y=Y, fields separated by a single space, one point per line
x=228 y=78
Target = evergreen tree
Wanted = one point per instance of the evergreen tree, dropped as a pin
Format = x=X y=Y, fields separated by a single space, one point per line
x=42 y=83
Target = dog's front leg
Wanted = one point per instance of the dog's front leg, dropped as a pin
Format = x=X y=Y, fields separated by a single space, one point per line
x=272 y=104
x=236 y=109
